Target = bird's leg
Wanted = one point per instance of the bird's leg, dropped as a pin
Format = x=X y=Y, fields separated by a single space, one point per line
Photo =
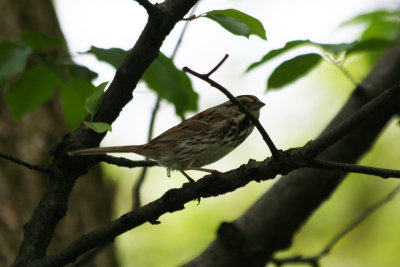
x=191 y=181
x=187 y=177
x=198 y=169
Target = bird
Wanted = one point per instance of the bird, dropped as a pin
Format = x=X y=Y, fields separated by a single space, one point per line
x=197 y=141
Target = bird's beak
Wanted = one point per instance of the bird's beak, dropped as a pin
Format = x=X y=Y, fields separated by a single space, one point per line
x=259 y=104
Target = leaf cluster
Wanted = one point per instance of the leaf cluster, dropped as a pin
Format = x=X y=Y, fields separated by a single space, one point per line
x=27 y=86
x=373 y=39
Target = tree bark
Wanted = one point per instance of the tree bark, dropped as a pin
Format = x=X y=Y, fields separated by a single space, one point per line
x=30 y=140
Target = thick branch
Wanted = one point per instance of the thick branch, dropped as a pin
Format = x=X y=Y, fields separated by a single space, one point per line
x=150 y=8
x=378 y=103
x=173 y=200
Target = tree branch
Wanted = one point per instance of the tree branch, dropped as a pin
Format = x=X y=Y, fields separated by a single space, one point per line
x=347 y=167
x=173 y=200
x=373 y=106
x=150 y=8
x=24 y=164
x=136 y=188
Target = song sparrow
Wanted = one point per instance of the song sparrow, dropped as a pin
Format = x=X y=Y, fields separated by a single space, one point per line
x=197 y=141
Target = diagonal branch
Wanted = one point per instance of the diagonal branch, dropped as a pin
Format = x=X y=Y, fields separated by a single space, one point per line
x=373 y=106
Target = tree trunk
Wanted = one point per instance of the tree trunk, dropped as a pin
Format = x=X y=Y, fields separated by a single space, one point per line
x=30 y=140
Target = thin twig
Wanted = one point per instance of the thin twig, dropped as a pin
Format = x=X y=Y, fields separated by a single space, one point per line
x=139 y=182
x=359 y=219
x=178 y=43
x=24 y=164
x=217 y=66
x=325 y=164
x=256 y=122
x=314 y=259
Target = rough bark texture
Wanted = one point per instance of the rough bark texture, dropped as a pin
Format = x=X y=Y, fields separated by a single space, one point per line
x=30 y=140
x=270 y=224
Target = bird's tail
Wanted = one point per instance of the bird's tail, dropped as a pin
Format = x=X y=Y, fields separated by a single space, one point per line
x=104 y=150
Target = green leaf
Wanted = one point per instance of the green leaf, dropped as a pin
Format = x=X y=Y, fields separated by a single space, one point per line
x=98 y=127
x=93 y=102
x=237 y=22
x=113 y=56
x=39 y=41
x=171 y=84
x=80 y=72
x=293 y=69
x=334 y=49
x=370 y=44
x=276 y=52
x=379 y=24
x=72 y=98
x=13 y=59
x=30 y=90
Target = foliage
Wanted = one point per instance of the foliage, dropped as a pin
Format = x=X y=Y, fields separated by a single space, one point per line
x=373 y=38
x=237 y=22
x=162 y=77
x=27 y=88
x=295 y=68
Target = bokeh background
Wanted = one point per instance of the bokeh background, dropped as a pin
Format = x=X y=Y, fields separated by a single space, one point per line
x=292 y=116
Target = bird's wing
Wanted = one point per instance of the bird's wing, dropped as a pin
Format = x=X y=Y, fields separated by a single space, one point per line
x=184 y=130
